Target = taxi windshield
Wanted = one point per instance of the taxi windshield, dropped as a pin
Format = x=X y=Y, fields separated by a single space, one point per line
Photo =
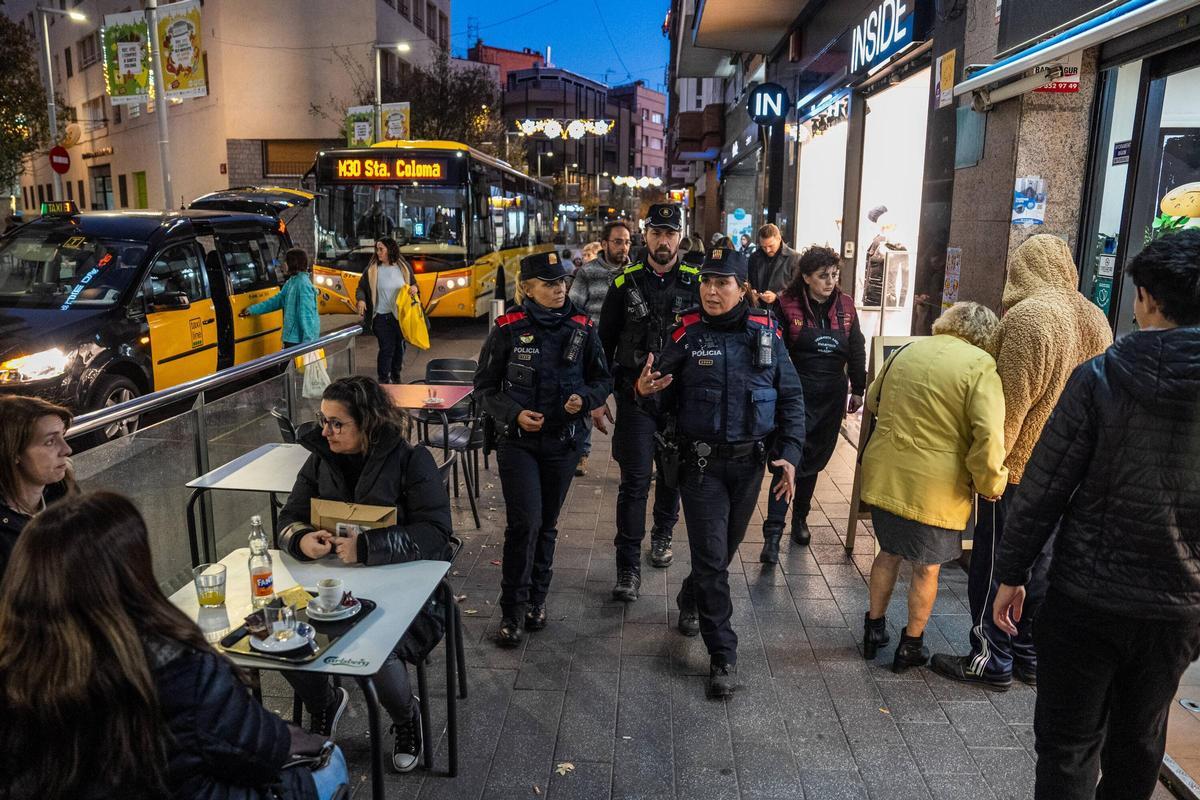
x=57 y=267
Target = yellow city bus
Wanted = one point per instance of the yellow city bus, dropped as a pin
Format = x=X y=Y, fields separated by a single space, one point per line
x=463 y=221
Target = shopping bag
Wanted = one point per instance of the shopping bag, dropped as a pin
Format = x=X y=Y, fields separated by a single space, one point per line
x=316 y=378
x=413 y=326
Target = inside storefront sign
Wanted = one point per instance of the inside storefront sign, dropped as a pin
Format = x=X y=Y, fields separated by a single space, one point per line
x=884 y=32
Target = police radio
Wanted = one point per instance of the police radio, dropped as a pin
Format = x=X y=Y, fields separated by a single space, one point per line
x=764 y=354
x=636 y=306
x=575 y=346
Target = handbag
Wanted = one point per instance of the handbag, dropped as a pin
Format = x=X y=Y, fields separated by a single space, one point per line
x=413 y=326
x=875 y=417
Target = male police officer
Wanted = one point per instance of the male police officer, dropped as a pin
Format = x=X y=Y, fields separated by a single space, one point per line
x=640 y=310
x=737 y=403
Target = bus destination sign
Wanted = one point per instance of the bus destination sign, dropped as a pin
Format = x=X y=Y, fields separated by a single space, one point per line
x=374 y=168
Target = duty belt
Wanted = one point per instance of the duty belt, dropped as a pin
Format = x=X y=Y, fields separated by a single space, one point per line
x=727 y=451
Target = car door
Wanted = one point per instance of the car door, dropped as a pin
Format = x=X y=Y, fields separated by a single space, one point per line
x=253 y=268
x=181 y=317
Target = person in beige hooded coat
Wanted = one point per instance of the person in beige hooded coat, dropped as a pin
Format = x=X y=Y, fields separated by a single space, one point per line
x=1047 y=330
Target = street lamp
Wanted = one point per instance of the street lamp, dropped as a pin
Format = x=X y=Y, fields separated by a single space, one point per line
x=539 y=160
x=52 y=111
x=399 y=47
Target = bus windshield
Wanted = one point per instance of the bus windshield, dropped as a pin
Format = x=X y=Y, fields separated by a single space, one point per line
x=44 y=266
x=351 y=217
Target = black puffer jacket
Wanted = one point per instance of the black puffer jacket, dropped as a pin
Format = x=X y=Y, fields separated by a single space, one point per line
x=223 y=744
x=1119 y=464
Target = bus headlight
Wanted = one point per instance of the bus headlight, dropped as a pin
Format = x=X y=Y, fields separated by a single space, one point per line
x=34 y=367
x=331 y=282
x=450 y=283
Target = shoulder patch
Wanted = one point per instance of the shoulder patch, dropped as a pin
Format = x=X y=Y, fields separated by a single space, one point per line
x=508 y=319
x=619 y=281
x=684 y=322
x=582 y=319
x=632 y=268
x=689 y=269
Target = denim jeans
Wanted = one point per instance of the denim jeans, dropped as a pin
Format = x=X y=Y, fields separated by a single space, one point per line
x=332 y=776
x=391 y=348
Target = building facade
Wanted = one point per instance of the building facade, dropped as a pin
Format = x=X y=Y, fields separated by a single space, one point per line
x=506 y=61
x=648 y=110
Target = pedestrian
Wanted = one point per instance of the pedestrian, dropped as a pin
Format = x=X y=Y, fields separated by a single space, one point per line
x=541 y=373
x=938 y=439
x=387 y=276
x=735 y=402
x=772 y=265
x=588 y=290
x=359 y=455
x=1047 y=330
x=297 y=298
x=35 y=464
x=112 y=691
x=641 y=309
x=826 y=345
x=1113 y=483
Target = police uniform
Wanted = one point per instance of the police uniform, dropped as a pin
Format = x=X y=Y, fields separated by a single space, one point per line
x=737 y=403
x=639 y=312
x=535 y=359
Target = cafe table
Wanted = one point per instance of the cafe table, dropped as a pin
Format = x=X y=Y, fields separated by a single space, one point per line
x=400 y=592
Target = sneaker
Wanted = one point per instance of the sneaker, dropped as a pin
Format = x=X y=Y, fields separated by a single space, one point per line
x=535 y=617
x=689 y=617
x=509 y=634
x=325 y=723
x=629 y=583
x=722 y=680
x=1026 y=675
x=406 y=749
x=958 y=668
x=660 y=550
x=581 y=467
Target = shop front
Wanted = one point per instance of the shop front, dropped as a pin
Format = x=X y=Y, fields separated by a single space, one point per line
x=739 y=171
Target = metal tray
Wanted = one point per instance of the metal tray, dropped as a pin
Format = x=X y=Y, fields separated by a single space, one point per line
x=327 y=633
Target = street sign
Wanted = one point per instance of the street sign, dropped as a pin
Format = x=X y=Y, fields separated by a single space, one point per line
x=60 y=160
x=767 y=103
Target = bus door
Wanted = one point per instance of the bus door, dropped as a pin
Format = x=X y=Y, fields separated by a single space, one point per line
x=253 y=264
x=181 y=316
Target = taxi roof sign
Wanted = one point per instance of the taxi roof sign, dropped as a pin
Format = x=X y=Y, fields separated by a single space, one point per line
x=59 y=208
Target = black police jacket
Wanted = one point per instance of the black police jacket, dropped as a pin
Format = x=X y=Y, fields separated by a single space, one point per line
x=1115 y=471
x=527 y=364
x=630 y=330
x=719 y=393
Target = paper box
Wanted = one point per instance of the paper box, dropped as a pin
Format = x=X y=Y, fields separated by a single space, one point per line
x=328 y=514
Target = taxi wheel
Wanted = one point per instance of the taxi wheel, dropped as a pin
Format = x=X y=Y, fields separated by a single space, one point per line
x=111 y=390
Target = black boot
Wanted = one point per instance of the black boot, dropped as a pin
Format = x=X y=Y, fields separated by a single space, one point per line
x=770 y=551
x=722 y=680
x=629 y=582
x=535 y=617
x=875 y=635
x=510 y=634
x=801 y=534
x=689 y=617
x=660 y=548
x=911 y=652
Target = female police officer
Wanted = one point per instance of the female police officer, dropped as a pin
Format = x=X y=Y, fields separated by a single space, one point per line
x=541 y=372
x=735 y=402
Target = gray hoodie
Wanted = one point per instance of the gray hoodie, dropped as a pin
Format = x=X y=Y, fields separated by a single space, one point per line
x=591 y=284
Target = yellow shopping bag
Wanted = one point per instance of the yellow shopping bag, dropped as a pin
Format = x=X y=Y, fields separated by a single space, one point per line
x=413 y=326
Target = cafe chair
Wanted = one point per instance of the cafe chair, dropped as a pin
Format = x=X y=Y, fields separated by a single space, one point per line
x=287 y=430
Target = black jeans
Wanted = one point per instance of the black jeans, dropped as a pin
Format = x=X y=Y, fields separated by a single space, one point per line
x=535 y=474
x=633 y=448
x=1105 y=685
x=777 y=510
x=391 y=348
x=391 y=682
x=718 y=502
x=992 y=650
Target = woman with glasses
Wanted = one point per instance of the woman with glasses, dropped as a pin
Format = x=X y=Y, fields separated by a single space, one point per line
x=827 y=347
x=359 y=455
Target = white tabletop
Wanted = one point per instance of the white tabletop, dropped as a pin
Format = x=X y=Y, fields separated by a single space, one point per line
x=400 y=590
x=269 y=468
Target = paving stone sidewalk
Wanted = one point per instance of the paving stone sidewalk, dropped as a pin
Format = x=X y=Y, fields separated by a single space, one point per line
x=616 y=693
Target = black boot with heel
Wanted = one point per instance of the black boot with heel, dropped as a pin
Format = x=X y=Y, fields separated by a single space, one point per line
x=911 y=652
x=875 y=635
x=770 y=549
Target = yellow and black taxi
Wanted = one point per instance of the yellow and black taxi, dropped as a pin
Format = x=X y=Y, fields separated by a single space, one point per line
x=98 y=308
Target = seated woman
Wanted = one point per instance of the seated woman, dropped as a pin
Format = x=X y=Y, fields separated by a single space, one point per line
x=111 y=691
x=359 y=455
x=35 y=463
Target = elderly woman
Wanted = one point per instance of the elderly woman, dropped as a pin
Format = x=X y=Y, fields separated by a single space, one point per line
x=938 y=440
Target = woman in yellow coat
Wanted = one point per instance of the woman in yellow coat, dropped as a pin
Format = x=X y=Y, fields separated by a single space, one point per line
x=938 y=440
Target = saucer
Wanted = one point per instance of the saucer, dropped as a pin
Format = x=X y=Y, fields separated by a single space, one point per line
x=342 y=612
x=304 y=635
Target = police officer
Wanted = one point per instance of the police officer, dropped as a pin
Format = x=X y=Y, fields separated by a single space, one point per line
x=637 y=317
x=541 y=372
x=737 y=403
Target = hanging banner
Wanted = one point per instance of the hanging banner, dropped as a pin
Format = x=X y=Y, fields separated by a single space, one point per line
x=126 y=41
x=360 y=128
x=396 y=117
x=179 y=50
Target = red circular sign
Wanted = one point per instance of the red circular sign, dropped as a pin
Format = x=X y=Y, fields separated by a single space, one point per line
x=60 y=160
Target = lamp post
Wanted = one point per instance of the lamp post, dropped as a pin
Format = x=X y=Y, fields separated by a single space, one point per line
x=539 y=160
x=160 y=100
x=51 y=109
x=400 y=47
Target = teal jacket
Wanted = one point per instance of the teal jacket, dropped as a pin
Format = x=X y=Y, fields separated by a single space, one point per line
x=298 y=299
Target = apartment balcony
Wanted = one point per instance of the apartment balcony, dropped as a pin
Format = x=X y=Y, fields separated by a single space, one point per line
x=698 y=135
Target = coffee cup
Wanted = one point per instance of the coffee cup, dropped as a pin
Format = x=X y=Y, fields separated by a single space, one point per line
x=329 y=594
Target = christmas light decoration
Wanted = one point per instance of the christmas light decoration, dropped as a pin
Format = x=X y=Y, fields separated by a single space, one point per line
x=564 y=128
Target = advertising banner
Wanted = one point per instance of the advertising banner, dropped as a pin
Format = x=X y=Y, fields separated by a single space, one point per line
x=179 y=50
x=1068 y=82
x=360 y=128
x=943 y=80
x=396 y=119
x=126 y=42
x=1029 y=201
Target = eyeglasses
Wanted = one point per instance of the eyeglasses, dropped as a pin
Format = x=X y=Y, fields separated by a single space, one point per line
x=325 y=422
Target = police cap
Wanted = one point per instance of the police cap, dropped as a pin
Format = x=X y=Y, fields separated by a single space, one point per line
x=665 y=215
x=724 y=261
x=544 y=266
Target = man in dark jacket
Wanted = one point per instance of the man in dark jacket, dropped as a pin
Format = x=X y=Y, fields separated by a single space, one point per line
x=1115 y=472
x=772 y=265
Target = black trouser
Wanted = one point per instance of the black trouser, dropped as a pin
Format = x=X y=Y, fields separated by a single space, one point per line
x=718 y=502
x=391 y=348
x=535 y=474
x=993 y=651
x=1105 y=685
x=391 y=682
x=633 y=448
x=801 y=504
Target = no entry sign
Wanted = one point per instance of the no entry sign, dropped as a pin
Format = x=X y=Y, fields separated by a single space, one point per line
x=60 y=160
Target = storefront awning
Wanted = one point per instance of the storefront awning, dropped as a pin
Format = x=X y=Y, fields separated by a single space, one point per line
x=1120 y=20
